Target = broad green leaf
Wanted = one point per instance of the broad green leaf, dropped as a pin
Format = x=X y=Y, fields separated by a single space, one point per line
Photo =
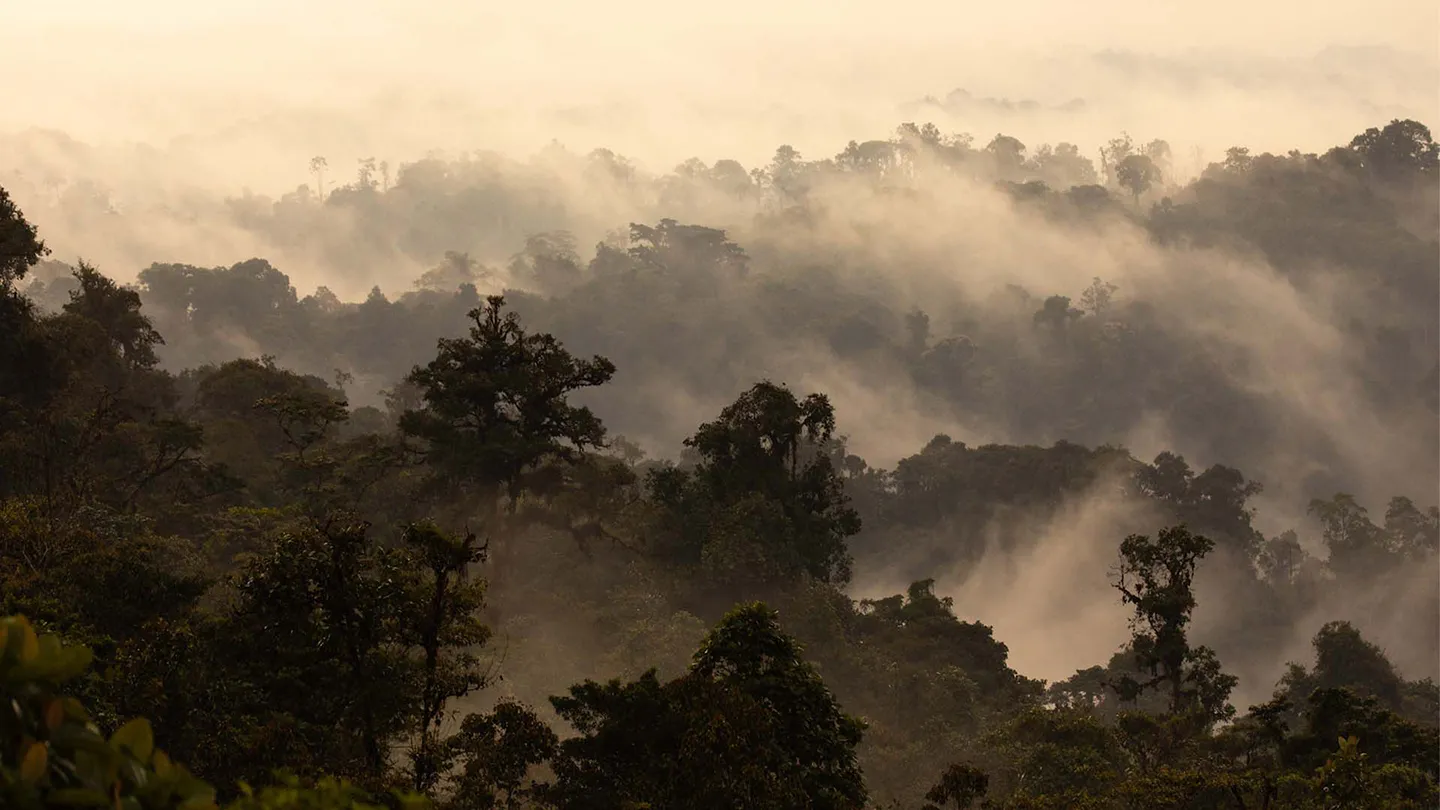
x=54 y=714
x=82 y=738
x=133 y=773
x=33 y=764
x=29 y=642
x=50 y=648
x=72 y=662
x=137 y=737
x=75 y=710
x=163 y=766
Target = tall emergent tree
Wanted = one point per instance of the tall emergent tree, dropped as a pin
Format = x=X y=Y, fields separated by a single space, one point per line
x=20 y=246
x=21 y=347
x=1137 y=174
x=1156 y=576
x=764 y=497
x=496 y=411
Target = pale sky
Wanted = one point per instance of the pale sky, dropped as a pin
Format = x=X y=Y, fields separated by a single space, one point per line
x=663 y=81
x=1289 y=23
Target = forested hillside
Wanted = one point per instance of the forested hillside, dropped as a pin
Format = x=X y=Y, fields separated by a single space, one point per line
x=739 y=506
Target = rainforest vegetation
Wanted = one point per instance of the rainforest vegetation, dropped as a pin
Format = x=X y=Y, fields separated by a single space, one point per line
x=456 y=545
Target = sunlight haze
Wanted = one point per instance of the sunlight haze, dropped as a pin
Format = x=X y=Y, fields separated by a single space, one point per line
x=661 y=82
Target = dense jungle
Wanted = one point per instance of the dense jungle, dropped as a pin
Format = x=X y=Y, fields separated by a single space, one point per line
x=942 y=472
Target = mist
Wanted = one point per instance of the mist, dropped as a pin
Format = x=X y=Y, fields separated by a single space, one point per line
x=361 y=174
x=243 y=94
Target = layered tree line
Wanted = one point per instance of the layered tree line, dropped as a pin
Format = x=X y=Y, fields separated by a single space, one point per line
x=473 y=593
x=731 y=274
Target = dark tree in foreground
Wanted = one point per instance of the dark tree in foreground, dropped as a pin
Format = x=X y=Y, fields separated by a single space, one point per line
x=763 y=496
x=1155 y=576
x=960 y=786
x=184 y=526
x=366 y=645
x=495 y=402
x=23 y=358
x=20 y=247
x=496 y=752
x=751 y=725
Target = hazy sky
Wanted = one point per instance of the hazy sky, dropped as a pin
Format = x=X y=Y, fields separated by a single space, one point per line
x=663 y=81
x=1261 y=25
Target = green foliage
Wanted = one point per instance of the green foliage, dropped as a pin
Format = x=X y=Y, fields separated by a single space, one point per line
x=1402 y=150
x=446 y=631
x=1349 y=780
x=960 y=786
x=1057 y=757
x=1385 y=737
x=498 y=750
x=750 y=725
x=272 y=430
x=1156 y=576
x=920 y=628
x=1361 y=550
x=495 y=403
x=326 y=793
x=332 y=654
x=117 y=311
x=762 y=502
x=1137 y=174
x=365 y=645
x=262 y=572
x=52 y=755
x=20 y=247
x=99 y=575
x=1343 y=659
x=1215 y=501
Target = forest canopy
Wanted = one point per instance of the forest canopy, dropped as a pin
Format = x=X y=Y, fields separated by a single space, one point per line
x=596 y=528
